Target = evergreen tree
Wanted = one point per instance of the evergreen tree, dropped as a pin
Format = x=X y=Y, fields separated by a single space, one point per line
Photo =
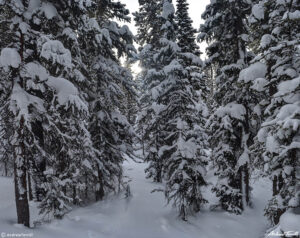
x=277 y=143
x=190 y=51
x=149 y=26
x=226 y=32
x=67 y=169
x=20 y=103
x=172 y=106
x=183 y=151
x=111 y=84
x=50 y=100
x=185 y=32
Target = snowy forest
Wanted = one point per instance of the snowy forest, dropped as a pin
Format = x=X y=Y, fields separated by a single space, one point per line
x=169 y=132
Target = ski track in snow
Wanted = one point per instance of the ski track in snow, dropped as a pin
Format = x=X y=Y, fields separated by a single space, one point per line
x=144 y=215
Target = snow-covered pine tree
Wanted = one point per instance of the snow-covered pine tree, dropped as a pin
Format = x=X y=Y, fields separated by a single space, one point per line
x=226 y=32
x=110 y=85
x=184 y=150
x=148 y=22
x=277 y=147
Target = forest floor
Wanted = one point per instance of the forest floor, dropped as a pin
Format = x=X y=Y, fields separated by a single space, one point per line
x=144 y=215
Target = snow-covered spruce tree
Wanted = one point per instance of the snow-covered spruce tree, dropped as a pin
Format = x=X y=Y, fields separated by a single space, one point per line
x=110 y=85
x=226 y=32
x=148 y=22
x=183 y=153
x=49 y=115
x=6 y=150
x=277 y=147
x=68 y=170
x=20 y=105
x=190 y=51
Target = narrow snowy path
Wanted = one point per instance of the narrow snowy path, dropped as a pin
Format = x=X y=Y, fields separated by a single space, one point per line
x=144 y=215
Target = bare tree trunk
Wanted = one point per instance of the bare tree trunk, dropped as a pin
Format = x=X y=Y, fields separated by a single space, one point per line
x=5 y=168
x=247 y=184
x=100 y=190
x=183 y=213
x=30 y=194
x=275 y=192
x=75 y=202
x=20 y=176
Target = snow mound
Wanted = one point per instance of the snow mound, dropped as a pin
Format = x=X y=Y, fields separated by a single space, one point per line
x=66 y=92
x=55 y=51
x=254 y=71
x=258 y=11
x=234 y=110
x=10 y=57
x=288 y=86
x=49 y=10
x=21 y=100
x=259 y=84
x=290 y=222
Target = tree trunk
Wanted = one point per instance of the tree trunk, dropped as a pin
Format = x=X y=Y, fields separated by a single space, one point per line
x=30 y=194
x=74 y=196
x=99 y=191
x=20 y=176
x=5 y=168
x=275 y=192
x=86 y=187
x=183 y=213
x=247 y=184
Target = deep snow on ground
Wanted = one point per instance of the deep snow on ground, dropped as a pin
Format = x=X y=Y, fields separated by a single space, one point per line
x=144 y=215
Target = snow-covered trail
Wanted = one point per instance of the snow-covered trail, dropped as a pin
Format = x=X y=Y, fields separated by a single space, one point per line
x=144 y=215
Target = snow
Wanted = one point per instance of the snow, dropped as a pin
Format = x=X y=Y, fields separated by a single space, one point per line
x=195 y=59
x=63 y=87
x=66 y=92
x=272 y=145
x=259 y=84
x=258 y=11
x=49 y=10
x=21 y=100
x=232 y=109
x=290 y=222
x=10 y=57
x=254 y=71
x=33 y=5
x=144 y=215
x=266 y=40
x=289 y=110
x=55 y=51
x=18 y=6
x=168 y=9
x=24 y=27
x=33 y=70
x=173 y=66
x=292 y=15
x=105 y=34
x=288 y=86
x=157 y=108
